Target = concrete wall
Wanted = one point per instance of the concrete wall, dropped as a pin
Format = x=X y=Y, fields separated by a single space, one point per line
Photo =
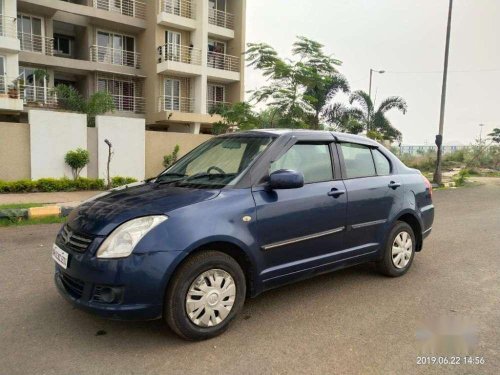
x=52 y=135
x=159 y=144
x=127 y=136
x=92 y=167
x=14 y=151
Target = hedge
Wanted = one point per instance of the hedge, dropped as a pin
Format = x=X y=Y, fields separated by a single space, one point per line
x=62 y=184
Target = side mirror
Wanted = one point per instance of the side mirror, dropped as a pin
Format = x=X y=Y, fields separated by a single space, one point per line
x=286 y=179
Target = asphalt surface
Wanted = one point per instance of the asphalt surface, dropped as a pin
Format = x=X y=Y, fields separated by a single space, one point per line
x=349 y=322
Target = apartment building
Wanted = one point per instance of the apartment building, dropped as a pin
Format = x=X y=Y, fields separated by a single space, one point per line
x=168 y=61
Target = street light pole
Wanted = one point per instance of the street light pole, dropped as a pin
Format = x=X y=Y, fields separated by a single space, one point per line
x=371 y=77
x=370 y=89
x=439 y=138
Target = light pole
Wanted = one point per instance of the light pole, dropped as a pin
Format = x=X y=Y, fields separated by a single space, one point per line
x=481 y=133
x=439 y=138
x=370 y=92
x=371 y=76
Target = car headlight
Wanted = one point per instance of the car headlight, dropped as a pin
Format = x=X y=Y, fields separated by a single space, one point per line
x=122 y=241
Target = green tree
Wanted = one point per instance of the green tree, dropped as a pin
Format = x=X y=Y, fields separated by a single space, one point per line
x=299 y=89
x=97 y=104
x=495 y=135
x=363 y=116
x=77 y=160
x=237 y=116
x=170 y=159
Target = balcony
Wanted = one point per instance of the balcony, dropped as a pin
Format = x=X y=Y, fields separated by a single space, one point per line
x=181 y=8
x=39 y=96
x=222 y=61
x=10 y=99
x=212 y=104
x=224 y=68
x=221 y=19
x=168 y=103
x=8 y=27
x=177 y=58
x=113 y=56
x=36 y=43
x=8 y=34
x=133 y=104
x=132 y=8
x=177 y=13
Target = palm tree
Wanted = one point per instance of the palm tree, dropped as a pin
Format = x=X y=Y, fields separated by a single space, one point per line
x=365 y=117
x=320 y=92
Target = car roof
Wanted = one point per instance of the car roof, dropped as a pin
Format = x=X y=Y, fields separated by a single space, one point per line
x=311 y=135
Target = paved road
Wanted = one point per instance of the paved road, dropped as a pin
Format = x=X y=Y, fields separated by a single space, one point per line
x=353 y=321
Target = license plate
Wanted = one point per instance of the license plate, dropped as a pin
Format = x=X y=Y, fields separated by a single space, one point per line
x=60 y=256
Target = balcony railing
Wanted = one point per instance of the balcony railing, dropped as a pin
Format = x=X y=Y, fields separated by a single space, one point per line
x=108 y=55
x=169 y=103
x=183 y=8
x=222 y=61
x=212 y=104
x=39 y=96
x=8 y=26
x=36 y=43
x=132 y=8
x=220 y=18
x=132 y=104
x=179 y=53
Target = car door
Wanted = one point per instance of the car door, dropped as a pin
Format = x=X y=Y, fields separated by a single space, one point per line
x=374 y=195
x=300 y=230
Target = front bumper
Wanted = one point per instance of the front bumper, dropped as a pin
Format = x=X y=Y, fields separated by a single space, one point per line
x=141 y=280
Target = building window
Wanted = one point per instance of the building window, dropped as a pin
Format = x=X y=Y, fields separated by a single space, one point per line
x=63 y=45
x=123 y=92
x=172 y=97
x=29 y=31
x=216 y=95
x=33 y=89
x=115 y=49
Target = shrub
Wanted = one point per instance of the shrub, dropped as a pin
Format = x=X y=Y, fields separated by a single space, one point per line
x=120 y=181
x=77 y=160
x=51 y=185
x=461 y=178
x=170 y=159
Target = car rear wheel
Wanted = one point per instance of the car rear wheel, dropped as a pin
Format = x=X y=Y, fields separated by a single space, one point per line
x=399 y=251
x=207 y=291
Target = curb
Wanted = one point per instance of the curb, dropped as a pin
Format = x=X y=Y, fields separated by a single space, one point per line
x=36 y=212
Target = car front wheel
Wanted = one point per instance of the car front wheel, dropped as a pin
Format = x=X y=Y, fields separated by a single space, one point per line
x=399 y=251
x=207 y=291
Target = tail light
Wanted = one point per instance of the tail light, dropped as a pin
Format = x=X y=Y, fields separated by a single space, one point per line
x=428 y=185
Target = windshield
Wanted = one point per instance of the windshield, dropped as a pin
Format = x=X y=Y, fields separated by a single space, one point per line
x=217 y=163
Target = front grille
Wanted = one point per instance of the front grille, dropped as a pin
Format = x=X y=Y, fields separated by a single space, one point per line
x=72 y=285
x=73 y=240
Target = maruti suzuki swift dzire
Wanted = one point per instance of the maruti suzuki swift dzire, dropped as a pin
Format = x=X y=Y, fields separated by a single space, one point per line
x=239 y=215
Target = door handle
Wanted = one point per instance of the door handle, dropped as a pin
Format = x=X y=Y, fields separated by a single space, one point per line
x=394 y=185
x=336 y=192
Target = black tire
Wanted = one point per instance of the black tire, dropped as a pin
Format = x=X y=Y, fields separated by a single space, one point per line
x=386 y=264
x=175 y=313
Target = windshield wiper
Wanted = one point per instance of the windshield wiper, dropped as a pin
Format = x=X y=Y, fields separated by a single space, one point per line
x=197 y=176
x=159 y=179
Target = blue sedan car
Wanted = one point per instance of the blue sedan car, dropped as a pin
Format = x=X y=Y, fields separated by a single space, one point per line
x=239 y=215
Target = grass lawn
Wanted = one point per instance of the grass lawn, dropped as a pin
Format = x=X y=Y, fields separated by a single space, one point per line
x=19 y=206
x=45 y=220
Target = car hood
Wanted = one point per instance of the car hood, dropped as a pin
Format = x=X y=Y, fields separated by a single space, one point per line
x=102 y=215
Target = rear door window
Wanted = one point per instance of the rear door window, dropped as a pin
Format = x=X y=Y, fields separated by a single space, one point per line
x=358 y=160
x=381 y=163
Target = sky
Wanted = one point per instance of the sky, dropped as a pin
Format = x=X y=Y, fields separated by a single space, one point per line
x=406 y=38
